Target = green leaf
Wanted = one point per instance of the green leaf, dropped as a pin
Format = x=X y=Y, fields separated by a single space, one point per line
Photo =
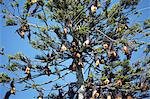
x=10 y=22
x=103 y=78
x=4 y=78
x=91 y=75
x=147 y=24
x=13 y=66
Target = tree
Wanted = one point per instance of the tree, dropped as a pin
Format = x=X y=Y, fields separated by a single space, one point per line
x=91 y=39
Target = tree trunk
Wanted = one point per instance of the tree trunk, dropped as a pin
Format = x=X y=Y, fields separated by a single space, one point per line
x=80 y=80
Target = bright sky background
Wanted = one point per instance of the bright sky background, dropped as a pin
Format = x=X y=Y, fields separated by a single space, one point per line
x=12 y=44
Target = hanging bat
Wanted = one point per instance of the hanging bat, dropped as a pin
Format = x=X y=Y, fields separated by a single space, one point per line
x=105 y=46
x=65 y=30
x=40 y=97
x=97 y=62
x=129 y=97
x=126 y=51
x=94 y=7
x=80 y=64
x=112 y=55
x=24 y=27
x=109 y=96
x=57 y=71
x=47 y=70
x=74 y=44
x=33 y=1
x=68 y=22
x=21 y=33
x=58 y=33
x=77 y=55
x=27 y=71
x=63 y=48
x=73 y=67
x=13 y=90
x=119 y=83
x=86 y=43
x=106 y=82
x=125 y=48
x=118 y=96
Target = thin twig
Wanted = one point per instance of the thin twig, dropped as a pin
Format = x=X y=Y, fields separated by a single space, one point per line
x=106 y=35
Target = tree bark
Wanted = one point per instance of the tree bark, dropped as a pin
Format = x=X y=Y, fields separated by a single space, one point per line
x=79 y=75
x=7 y=95
x=80 y=81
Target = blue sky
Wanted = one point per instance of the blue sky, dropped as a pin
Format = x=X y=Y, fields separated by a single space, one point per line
x=12 y=44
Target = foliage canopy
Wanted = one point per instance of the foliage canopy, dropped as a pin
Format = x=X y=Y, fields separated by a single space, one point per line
x=91 y=39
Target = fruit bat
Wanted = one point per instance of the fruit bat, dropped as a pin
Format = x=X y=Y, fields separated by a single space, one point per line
x=129 y=97
x=102 y=61
x=109 y=96
x=40 y=97
x=96 y=95
x=57 y=71
x=118 y=96
x=73 y=67
x=65 y=30
x=97 y=62
x=74 y=44
x=27 y=71
x=77 y=55
x=126 y=26
x=125 y=48
x=119 y=82
x=24 y=28
x=80 y=64
x=13 y=90
x=47 y=70
x=68 y=22
x=105 y=46
x=93 y=8
x=106 y=82
x=112 y=55
x=21 y=33
x=126 y=51
x=87 y=42
x=119 y=29
x=57 y=31
x=63 y=48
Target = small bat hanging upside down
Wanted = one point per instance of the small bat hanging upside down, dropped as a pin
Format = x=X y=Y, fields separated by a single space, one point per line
x=22 y=30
